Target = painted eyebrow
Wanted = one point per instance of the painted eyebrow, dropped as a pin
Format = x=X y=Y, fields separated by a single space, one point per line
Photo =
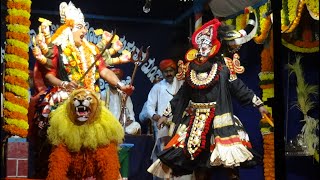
x=79 y=26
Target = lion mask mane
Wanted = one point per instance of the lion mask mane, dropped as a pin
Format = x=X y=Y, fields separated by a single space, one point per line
x=83 y=121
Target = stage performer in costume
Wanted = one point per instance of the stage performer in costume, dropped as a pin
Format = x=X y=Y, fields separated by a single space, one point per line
x=85 y=136
x=207 y=134
x=67 y=61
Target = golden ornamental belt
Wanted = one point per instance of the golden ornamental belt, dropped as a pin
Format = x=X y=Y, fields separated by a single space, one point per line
x=202 y=105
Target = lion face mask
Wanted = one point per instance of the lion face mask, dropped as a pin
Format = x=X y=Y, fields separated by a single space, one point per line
x=83 y=106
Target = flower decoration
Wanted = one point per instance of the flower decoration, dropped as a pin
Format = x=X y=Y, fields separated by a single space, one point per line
x=266 y=77
x=16 y=73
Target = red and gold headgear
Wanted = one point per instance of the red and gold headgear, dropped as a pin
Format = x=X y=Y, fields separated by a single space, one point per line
x=166 y=63
x=207 y=34
x=206 y=41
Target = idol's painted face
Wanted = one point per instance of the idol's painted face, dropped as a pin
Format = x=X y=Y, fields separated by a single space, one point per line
x=79 y=31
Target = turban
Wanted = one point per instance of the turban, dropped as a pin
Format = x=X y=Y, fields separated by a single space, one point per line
x=166 y=63
x=118 y=72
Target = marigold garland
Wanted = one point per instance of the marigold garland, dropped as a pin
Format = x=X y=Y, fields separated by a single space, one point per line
x=313 y=8
x=14 y=115
x=265 y=29
x=19 y=12
x=18 y=19
x=18 y=5
x=16 y=100
x=68 y=23
x=16 y=94
x=17 y=122
x=268 y=158
x=19 y=36
x=17 y=51
x=267 y=75
x=18 y=28
x=293 y=13
x=17 y=81
x=18 y=73
x=15 y=107
x=16 y=65
x=15 y=58
x=296 y=48
x=13 y=129
x=18 y=44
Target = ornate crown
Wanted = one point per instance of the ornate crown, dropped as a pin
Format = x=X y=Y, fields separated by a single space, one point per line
x=69 y=11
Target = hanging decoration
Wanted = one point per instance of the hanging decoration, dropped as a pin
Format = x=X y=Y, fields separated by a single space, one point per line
x=313 y=8
x=266 y=77
x=299 y=20
x=16 y=94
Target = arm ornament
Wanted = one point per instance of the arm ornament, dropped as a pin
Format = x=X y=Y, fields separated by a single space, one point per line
x=257 y=101
x=234 y=66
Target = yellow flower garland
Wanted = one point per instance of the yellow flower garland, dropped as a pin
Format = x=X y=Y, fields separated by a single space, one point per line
x=16 y=55
x=313 y=8
x=295 y=8
x=299 y=49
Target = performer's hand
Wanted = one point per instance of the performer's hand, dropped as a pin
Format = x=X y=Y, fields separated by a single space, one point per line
x=106 y=36
x=161 y=122
x=128 y=122
x=263 y=110
x=69 y=86
x=117 y=45
x=45 y=29
x=128 y=89
x=156 y=117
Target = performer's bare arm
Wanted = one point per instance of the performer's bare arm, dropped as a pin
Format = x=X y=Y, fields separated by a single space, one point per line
x=54 y=81
x=113 y=80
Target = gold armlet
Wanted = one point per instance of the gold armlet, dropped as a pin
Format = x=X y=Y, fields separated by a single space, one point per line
x=44 y=49
x=112 y=51
x=42 y=60
x=115 y=61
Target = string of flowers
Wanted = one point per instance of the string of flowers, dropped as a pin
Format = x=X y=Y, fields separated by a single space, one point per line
x=291 y=13
x=302 y=46
x=313 y=8
x=264 y=23
x=16 y=72
x=266 y=77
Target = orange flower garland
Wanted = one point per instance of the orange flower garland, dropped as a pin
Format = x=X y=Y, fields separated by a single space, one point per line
x=265 y=29
x=268 y=157
x=16 y=72
x=266 y=84
x=16 y=35
x=83 y=162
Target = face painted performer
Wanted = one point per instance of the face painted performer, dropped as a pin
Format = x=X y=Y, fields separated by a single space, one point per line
x=65 y=62
x=207 y=134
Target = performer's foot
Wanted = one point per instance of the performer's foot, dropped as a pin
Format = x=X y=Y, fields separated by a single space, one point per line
x=233 y=174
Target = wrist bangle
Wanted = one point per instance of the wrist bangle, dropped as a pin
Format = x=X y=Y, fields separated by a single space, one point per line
x=64 y=84
x=119 y=85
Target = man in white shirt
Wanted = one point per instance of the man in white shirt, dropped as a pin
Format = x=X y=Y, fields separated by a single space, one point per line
x=159 y=97
x=114 y=100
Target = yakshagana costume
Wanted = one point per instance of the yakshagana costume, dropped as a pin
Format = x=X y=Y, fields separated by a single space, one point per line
x=207 y=134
